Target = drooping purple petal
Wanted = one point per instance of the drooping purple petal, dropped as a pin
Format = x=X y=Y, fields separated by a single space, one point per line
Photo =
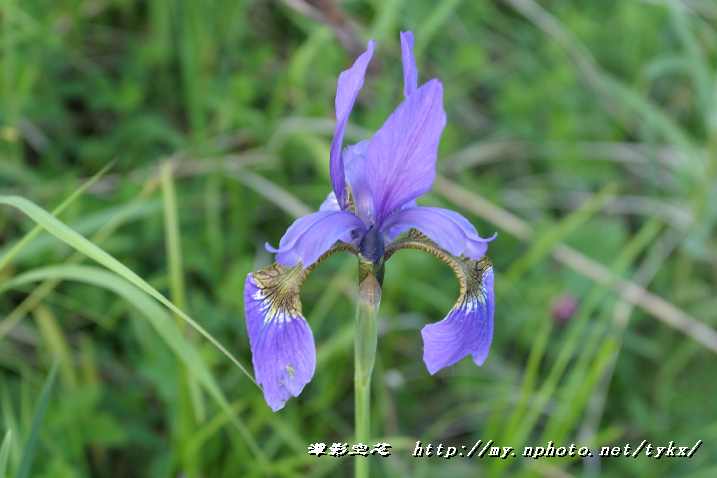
x=348 y=86
x=312 y=235
x=410 y=72
x=447 y=228
x=466 y=330
x=282 y=345
x=401 y=156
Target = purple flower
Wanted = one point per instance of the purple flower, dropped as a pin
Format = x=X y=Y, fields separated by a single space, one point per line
x=563 y=308
x=372 y=212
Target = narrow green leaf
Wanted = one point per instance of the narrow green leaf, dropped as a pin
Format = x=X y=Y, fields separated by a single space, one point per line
x=28 y=453
x=543 y=244
x=699 y=68
x=78 y=242
x=173 y=237
x=89 y=223
x=5 y=453
x=157 y=317
x=5 y=260
x=173 y=242
x=55 y=342
x=433 y=23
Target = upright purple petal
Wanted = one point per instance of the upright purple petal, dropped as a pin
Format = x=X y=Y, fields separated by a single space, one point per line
x=356 y=176
x=282 y=345
x=448 y=229
x=410 y=72
x=466 y=330
x=312 y=235
x=348 y=86
x=330 y=203
x=401 y=156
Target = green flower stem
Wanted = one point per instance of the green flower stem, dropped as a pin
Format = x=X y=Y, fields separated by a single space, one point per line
x=365 y=341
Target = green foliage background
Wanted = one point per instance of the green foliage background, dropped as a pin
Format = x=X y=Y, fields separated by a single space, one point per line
x=594 y=122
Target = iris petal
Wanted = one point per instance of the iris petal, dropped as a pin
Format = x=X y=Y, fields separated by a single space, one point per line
x=401 y=156
x=448 y=229
x=466 y=330
x=356 y=176
x=312 y=235
x=410 y=72
x=282 y=345
x=348 y=86
x=468 y=327
x=330 y=203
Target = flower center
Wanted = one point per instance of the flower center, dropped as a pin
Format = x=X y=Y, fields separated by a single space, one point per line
x=371 y=246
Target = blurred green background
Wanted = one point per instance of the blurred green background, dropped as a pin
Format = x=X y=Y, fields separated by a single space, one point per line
x=583 y=132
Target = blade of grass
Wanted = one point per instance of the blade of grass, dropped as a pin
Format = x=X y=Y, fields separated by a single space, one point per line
x=157 y=317
x=576 y=386
x=699 y=67
x=543 y=244
x=433 y=23
x=9 y=420
x=56 y=344
x=111 y=224
x=172 y=238
x=528 y=386
x=28 y=453
x=5 y=260
x=588 y=430
x=612 y=90
x=188 y=388
x=210 y=428
x=279 y=196
x=527 y=421
x=78 y=242
x=89 y=224
x=5 y=453
x=387 y=17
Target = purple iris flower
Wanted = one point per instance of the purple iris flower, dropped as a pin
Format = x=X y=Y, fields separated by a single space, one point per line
x=372 y=212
